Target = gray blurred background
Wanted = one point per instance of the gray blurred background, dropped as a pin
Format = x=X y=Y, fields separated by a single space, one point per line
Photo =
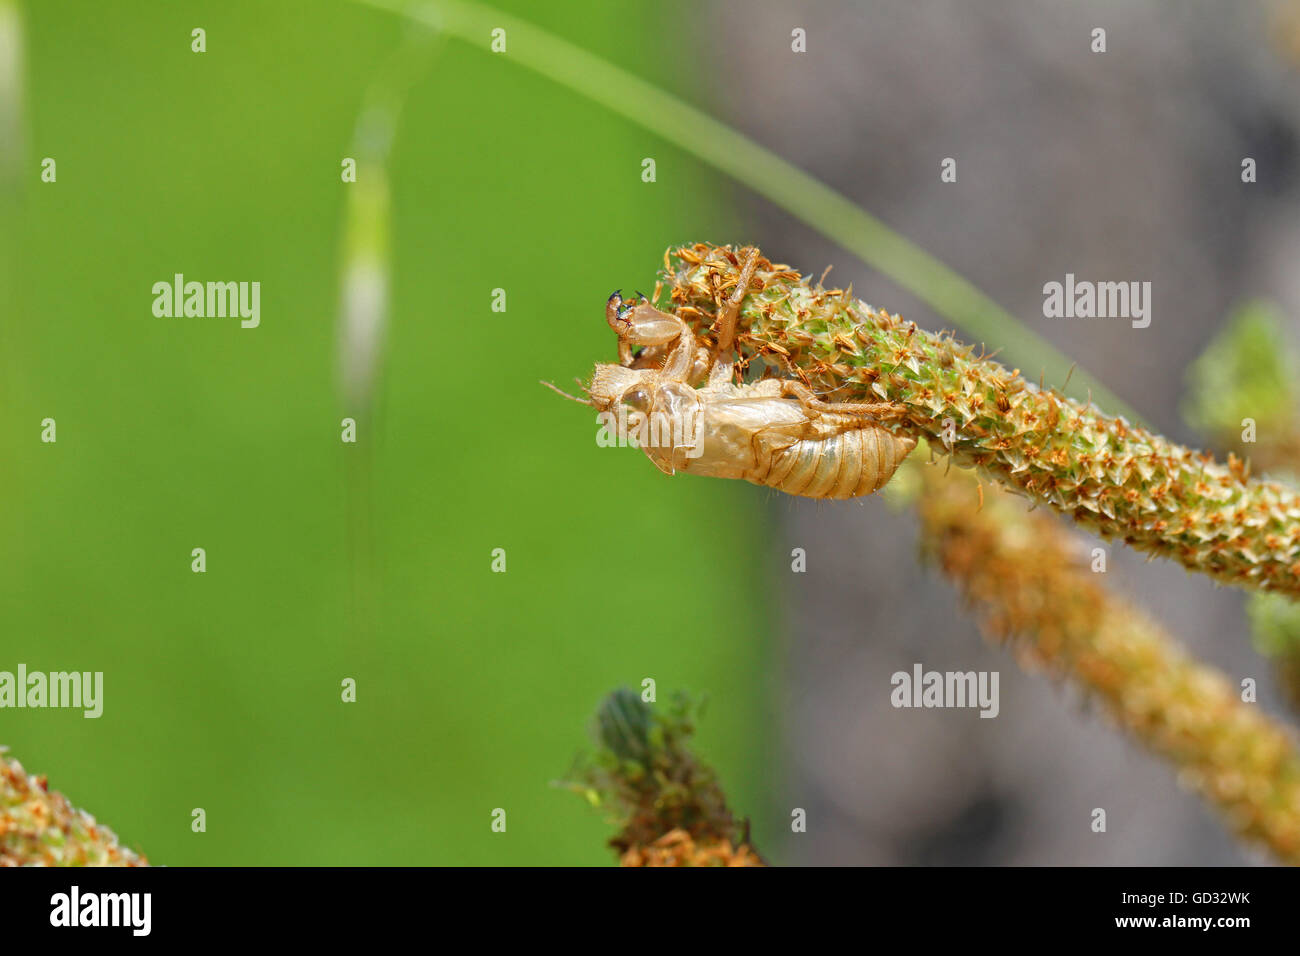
x=1122 y=166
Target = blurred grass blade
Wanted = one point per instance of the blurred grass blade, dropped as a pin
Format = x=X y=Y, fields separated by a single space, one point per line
x=12 y=152
x=11 y=90
x=363 y=320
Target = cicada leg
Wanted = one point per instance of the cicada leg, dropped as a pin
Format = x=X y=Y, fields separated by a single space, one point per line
x=724 y=326
x=877 y=411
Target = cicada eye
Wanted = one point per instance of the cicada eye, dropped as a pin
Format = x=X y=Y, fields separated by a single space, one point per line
x=637 y=398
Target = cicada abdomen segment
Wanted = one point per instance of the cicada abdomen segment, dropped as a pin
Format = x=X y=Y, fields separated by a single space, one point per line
x=851 y=463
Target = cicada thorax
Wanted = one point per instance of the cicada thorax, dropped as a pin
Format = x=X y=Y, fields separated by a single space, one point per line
x=669 y=423
x=848 y=463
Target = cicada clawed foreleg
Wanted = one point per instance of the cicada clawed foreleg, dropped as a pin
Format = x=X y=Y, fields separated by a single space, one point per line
x=670 y=345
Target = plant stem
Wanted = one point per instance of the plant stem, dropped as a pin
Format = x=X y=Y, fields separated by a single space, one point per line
x=41 y=828
x=669 y=805
x=1114 y=478
x=1022 y=575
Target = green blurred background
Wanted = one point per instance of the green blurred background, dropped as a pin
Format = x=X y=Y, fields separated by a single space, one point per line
x=222 y=689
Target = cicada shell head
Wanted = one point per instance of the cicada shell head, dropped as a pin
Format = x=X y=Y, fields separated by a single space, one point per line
x=610 y=383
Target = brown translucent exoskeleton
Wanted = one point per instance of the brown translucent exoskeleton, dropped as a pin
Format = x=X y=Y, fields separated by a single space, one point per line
x=679 y=399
